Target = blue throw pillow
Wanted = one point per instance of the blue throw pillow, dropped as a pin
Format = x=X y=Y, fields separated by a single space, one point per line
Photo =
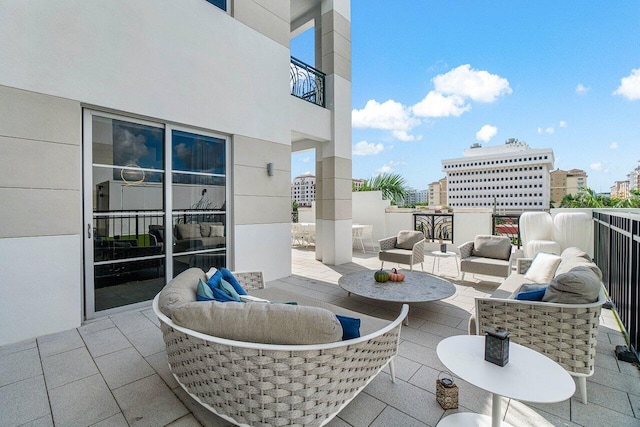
x=226 y=275
x=214 y=281
x=228 y=289
x=532 y=295
x=350 y=327
x=204 y=292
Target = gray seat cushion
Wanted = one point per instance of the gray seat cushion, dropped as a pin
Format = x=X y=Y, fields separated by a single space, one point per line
x=401 y=256
x=581 y=285
x=407 y=239
x=496 y=247
x=488 y=266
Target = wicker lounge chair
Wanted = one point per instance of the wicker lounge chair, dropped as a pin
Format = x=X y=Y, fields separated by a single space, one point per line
x=275 y=385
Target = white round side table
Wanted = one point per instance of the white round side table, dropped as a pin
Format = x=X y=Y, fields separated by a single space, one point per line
x=437 y=255
x=529 y=376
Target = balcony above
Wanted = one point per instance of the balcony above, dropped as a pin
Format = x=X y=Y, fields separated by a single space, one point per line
x=307 y=82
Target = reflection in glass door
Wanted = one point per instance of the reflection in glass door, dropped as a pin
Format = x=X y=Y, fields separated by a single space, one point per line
x=129 y=200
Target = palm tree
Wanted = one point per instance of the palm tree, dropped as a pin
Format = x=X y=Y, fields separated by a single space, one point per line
x=391 y=185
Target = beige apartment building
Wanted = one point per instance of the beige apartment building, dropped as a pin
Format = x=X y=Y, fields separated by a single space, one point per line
x=565 y=183
x=620 y=190
x=438 y=193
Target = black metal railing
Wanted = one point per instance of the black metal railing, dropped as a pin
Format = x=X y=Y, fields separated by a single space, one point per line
x=434 y=226
x=507 y=225
x=306 y=82
x=616 y=241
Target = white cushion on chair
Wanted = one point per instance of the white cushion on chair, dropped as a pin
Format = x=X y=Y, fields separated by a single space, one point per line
x=543 y=268
x=535 y=246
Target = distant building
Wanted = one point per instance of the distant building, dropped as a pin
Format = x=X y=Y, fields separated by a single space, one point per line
x=511 y=177
x=564 y=183
x=416 y=196
x=303 y=189
x=620 y=190
x=438 y=193
x=634 y=179
x=357 y=183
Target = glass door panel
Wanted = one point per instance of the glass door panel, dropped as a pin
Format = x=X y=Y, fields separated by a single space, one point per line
x=127 y=193
x=198 y=195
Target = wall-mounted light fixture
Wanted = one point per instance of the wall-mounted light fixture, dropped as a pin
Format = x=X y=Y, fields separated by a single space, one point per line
x=270 y=169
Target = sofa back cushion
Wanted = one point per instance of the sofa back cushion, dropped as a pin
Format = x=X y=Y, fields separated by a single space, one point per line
x=574 y=257
x=496 y=247
x=581 y=285
x=181 y=290
x=543 y=268
x=260 y=322
x=188 y=231
x=407 y=239
x=205 y=228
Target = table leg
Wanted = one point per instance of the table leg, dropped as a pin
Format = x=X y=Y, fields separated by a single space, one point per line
x=496 y=410
x=433 y=267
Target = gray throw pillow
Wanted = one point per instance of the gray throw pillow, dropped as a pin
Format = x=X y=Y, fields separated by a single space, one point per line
x=188 y=231
x=407 y=239
x=259 y=322
x=180 y=290
x=579 y=286
x=496 y=247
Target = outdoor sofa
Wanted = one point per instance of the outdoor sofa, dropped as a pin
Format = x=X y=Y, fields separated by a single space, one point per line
x=565 y=331
x=249 y=382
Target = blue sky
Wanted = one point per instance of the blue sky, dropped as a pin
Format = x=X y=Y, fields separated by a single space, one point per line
x=431 y=78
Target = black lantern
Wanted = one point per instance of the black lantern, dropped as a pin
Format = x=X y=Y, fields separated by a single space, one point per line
x=443 y=247
x=496 y=346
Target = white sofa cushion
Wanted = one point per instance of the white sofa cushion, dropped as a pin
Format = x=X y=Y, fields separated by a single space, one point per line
x=543 y=268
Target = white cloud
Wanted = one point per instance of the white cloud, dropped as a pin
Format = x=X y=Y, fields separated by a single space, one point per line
x=390 y=115
x=364 y=148
x=548 y=130
x=305 y=159
x=613 y=146
x=596 y=166
x=486 y=132
x=436 y=104
x=388 y=167
x=582 y=89
x=479 y=85
x=630 y=86
x=562 y=124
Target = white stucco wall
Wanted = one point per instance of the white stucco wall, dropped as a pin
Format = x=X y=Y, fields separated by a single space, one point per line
x=369 y=208
x=40 y=292
x=188 y=62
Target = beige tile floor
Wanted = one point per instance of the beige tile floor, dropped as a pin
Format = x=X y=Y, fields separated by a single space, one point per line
x=113 y=371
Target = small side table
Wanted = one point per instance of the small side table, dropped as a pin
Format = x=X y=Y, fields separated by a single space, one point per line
x=437 y=255
x=529 y=376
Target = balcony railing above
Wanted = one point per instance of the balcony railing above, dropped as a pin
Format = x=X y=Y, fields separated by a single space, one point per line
x=306 y=82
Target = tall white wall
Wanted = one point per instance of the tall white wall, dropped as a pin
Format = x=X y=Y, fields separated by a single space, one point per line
x=369 y=208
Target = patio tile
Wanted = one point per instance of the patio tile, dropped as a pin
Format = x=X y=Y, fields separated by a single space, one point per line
x=593 y=415
x=17 y=347
x=149 y=402
x=616 y=380
x=64 y=368
x=131 y=322
x=95 y=326
x=615 y=400
x=392 y=417
x=147 y=341
x=23 y=401
x=202 y=414
x=116 y=420
x=151 y=315
x=362 y=410
x=123 y=367
x=417 y=353
x=59 y=343
x=406 y=398
x=440 y=330
x=19 y=366
x=106 y=341
x=635 y=404
x=186 y=421
x=338 y=422
x=520 y=414
x=83 y=402
x=46 y=421
x=404 y=367
x=160 y=364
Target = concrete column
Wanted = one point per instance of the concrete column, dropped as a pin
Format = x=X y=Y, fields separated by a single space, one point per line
x=333 y=189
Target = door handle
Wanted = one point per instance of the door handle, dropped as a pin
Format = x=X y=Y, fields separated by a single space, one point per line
x=89 y=231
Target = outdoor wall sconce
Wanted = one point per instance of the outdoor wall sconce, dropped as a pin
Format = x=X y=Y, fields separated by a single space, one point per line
x=270 y=169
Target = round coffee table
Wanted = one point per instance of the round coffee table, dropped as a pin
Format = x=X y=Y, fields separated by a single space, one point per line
x=416 y=287
x=529 y=376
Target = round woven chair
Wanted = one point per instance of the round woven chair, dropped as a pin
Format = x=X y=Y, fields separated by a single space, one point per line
x=276 y=385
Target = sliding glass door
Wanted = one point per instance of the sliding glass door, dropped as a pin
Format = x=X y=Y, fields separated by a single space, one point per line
x=155 y=204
